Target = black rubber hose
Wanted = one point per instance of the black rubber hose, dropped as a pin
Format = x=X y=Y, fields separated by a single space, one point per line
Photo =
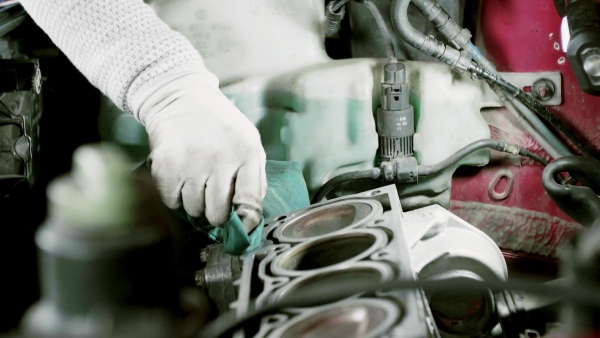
x=373 y=173
x=538 y=159
x=336 y=7
x=426 y=170
x=383 y=29
x=537 y=107
x=227 y=324
x=427 y=44
x=412 y=36
x=580 y=202
x=555 y=122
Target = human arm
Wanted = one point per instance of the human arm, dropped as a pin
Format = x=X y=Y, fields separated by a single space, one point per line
x=206 y=156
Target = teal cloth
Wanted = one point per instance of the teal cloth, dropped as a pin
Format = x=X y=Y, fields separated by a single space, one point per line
x=286 y=192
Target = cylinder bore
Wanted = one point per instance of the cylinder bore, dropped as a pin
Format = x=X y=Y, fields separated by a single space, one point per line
x=372 y=272
x=328 y=252
x=329 y=219
x=352 y=318
x=463 y=313
x=467 y=312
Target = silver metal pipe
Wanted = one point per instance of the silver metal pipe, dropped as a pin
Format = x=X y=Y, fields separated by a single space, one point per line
x=451 y=30
x=429 y=45
x=399 y=16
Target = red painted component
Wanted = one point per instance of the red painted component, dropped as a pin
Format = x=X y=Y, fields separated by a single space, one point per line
x=524 y=36
x=520 y=35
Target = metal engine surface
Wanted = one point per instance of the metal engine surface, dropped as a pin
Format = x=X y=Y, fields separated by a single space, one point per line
x=363 y=236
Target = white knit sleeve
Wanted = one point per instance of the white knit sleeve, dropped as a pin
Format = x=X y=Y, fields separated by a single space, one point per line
x=120 y=46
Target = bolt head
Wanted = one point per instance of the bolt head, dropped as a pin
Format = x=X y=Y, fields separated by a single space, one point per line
x=543 y=89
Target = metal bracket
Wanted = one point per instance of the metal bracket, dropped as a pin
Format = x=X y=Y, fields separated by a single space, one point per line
x=529 y=82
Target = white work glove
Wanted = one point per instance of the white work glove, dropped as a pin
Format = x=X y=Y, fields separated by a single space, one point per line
x=206 y=156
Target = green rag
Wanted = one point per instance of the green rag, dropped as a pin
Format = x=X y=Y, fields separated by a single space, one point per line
x=286 y=192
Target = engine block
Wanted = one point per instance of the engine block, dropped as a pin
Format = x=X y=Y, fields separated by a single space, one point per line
x=363 y=236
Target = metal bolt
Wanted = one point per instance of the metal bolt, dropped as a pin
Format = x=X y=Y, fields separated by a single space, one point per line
x=543 y=92
x=543 y=89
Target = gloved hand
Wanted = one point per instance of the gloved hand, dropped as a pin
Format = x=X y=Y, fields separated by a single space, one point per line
x=205 y=154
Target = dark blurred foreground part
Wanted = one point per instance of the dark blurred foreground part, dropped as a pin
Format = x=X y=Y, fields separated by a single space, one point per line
x=106 y=257
x=38 y=134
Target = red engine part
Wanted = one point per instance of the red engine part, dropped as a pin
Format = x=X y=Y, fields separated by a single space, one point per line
x=507 y=200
